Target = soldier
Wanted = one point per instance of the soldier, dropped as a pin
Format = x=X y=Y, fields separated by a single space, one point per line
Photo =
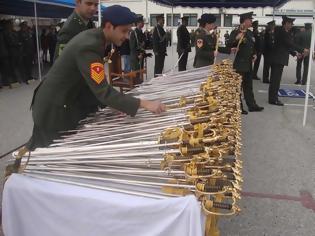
x=304 y=40
x=55 y=105
x=258 y=48
x=226 y=37
x=269 y=40
x=159 y=45
x=183 y=44
x=205 y=43
x=243 y=39
x=28 y=50
x=137 y=45
x=77 y=22
x=280 y=57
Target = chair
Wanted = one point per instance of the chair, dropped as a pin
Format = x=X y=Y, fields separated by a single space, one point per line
x=117 y=78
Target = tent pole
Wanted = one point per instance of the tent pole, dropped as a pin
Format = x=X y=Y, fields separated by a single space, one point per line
x=99 y=13
x=37 y=43
x=309 y=70
x=146 y=14
x=273 y=13
x=172 y=26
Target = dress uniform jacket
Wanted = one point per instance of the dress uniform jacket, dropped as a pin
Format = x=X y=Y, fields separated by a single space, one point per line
x=159 y=40
x=183 y=40
x=73 y=26
x=205 y=47
x=284 y=46
x=244 y=56
x=55 y=104
x=269 y=44
x=137 y=44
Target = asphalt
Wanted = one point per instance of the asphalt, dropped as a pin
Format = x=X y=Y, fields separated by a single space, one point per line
x=278 y=157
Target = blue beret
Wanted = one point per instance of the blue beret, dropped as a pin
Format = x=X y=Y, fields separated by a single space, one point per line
x=119 y=15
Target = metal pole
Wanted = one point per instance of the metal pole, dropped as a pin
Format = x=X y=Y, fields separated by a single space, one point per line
x=273 y=13
x=99 y=13
x=146 y=14
x=309 y=70
x=172 y=26
x=37 y=43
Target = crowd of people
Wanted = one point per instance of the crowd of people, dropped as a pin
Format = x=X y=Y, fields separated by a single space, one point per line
x=274 y=43
x=18 y=50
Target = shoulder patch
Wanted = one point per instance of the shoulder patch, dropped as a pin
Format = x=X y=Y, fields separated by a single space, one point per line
x=97 y=72
x=199 y=43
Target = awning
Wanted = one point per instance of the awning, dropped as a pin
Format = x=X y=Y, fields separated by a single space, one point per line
x=223 y=3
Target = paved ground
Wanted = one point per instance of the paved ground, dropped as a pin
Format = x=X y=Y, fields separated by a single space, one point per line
x=278 y=154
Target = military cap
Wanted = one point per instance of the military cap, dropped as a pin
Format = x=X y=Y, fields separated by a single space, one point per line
x=287 y=19
x=271 y=23
x=247 y=15
x=308 y=25
x=185 y=18
x=207 y=18
x=139 y=19
x=255 y=23
x=160 y=16
x=119 y=15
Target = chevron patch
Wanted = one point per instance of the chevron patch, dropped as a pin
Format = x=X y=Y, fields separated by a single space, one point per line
x=97 y=72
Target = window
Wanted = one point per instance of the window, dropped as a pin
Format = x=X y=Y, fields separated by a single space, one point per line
x=176 y=18
x=153 y=21
x=218 y=19
x=192 y=20
x=228 y=20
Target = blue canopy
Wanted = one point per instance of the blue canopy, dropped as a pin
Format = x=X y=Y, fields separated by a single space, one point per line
x=223 y=3
x=45 y=8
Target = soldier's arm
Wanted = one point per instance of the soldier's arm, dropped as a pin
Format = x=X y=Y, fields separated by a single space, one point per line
x=156 y=41
x=180 y=39
x=133 y=42
x=91 y=67
x=232 y=42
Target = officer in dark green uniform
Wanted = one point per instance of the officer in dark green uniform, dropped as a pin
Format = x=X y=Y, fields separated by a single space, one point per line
x=55 y=105
x=159 y=45
x=284 y=46
x=304 y=40
x=243 y=39
x=258 y=48
x=183 y=44
x=205 y=43
x=137 y=45
x=77 y=22
x=269 y=41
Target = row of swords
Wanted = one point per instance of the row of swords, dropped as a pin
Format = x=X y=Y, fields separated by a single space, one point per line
x=192 y=148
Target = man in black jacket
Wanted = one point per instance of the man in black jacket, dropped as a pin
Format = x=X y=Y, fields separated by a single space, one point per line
x=183 y=44
x=304 y=40
x=269 y=41
x=258 y=48
x=284 y=46
x=242 y=39
x=159 y=45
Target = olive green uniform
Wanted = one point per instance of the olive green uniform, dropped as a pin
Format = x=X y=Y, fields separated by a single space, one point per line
x=205 y=47
x=73 y=26
x=55 y=105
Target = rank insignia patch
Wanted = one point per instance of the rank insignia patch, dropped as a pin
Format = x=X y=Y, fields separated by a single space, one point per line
x=199 y=43
x=97 y=72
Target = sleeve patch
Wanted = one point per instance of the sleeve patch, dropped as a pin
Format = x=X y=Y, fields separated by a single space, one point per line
x=97 y=72
x=199 y=43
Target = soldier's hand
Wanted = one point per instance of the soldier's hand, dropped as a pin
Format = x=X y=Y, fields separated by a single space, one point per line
x=215 y=53
x=153 y=106
x=306 y=52
x=234 y=50
x=254 y=58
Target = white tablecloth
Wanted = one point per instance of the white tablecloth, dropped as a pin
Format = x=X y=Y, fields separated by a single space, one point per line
x=33 y=207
